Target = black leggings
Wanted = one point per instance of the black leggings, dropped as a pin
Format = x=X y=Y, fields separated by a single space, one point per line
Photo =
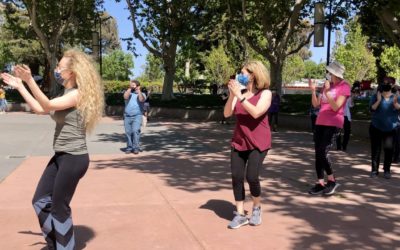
x=254 y=160
x=53 y=196
x=324 y=138
x=346 y=135
x=377 y=137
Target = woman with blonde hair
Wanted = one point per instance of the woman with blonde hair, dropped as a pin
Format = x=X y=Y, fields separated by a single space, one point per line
x=76 y=112
x=249 y=100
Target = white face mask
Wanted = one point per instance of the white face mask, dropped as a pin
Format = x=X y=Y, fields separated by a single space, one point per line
x=328 y=77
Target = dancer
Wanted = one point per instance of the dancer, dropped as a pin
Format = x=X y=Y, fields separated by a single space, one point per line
x=76 y=111
x=252 y=136
x=330 y=119
x=384 y=106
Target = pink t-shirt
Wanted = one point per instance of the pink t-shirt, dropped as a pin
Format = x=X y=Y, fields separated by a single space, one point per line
x=327 y=116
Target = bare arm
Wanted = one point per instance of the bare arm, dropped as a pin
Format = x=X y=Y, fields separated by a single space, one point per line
x=262 y=105
x=127 y=94
x=378 y=101
x=229 y=105
x=335 y=105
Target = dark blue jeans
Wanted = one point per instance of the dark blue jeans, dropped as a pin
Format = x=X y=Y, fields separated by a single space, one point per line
x=132 y=126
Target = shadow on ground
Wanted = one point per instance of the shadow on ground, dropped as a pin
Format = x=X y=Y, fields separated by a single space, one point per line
x=195 y=157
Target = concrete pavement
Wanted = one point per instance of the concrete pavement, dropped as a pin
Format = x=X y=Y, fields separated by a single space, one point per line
x=177 y=193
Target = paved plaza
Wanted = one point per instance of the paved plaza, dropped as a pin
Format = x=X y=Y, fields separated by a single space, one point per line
x=177 y=194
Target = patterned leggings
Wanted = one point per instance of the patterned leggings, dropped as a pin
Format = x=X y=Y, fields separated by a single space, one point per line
x=53 y=196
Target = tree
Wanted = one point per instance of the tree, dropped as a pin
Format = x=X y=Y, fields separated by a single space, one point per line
x=293 y=69
x=117 y=65
x=390 y=61
x=314 y=70
x=355 y=55
x=218 y=66
x=161 y=26
x=153 y=70
x=51 y=19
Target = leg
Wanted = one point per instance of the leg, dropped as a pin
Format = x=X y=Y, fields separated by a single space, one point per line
x=255 y=162
x=324 y=141
x=71 y=169
x=376 y=144
x=42 y=201
x=128 y=121
x=347 y=132
x=388 y=150
x=238 y=167
x=137 y=123
x=339 y=140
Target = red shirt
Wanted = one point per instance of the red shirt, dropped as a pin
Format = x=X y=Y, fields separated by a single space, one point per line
x=251 y=133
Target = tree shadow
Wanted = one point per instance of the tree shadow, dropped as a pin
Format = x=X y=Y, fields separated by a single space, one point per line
x=194 y=157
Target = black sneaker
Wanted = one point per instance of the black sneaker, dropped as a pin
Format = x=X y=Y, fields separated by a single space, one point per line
x=373 y=174
x=317 y=189
x=387 y=175
x=330 y=187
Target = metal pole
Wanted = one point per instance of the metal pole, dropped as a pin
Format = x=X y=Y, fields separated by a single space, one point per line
x=328 y=53
x=100 y=50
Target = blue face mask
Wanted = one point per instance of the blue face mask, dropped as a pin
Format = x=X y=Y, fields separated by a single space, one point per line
x=59 y=79
x=243 y=79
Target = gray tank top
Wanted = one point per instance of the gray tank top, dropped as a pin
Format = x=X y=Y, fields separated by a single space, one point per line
x=70 y=135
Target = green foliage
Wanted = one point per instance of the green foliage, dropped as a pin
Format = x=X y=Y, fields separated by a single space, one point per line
x=115 y=86
x=390 y=61
x=218 y=66
x=293 y=69
x=153 y=70
x=314 y=70
x=117 y=65
x=355 y=56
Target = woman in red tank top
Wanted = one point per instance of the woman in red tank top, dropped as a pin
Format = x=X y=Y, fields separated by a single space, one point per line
x=252 y=136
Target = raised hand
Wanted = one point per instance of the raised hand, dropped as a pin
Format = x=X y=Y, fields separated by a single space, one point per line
x=395 y=101
x=327 y=86
x=311 y=84
x=379 y=96
x=12 y=81
x=23 y=72
x=234 y=87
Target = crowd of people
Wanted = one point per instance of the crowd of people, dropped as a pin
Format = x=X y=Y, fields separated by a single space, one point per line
x=248 y=97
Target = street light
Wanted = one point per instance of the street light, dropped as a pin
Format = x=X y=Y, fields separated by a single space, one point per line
x=97 y=40
x=319 y=27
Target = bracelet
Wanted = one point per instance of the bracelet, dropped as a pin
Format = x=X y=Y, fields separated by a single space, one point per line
x=243 y=99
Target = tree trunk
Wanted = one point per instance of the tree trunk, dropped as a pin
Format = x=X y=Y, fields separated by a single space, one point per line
x=276 y=76
x=169 y=67
x=51 y=57
x=187 y=69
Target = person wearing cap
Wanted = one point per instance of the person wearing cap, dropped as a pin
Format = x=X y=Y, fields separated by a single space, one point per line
x=384 y=106
x=329 y=121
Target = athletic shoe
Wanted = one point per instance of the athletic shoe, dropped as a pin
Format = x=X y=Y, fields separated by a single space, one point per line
x=373 y=174
x=238 y=221
x=387 y=175
x=317 y=189
x=135 y=151
x=255 y=218
x=330 y=187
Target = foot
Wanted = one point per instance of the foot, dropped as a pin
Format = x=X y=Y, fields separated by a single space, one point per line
x=330 y=188
x=136 y=151
x=238 y=221
x=255 y=218
x=373 y=174
x=317 y=189
x=387 y=175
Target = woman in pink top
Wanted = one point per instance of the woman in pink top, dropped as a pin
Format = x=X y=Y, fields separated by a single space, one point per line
x=329 y=121
x=252 y=136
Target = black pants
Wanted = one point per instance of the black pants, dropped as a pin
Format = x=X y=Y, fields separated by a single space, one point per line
x=53 y=196
x=377 y=138
x=324 y=138
x=273 y=120
x=249 y=163
x=342 y=145
x=396 y=146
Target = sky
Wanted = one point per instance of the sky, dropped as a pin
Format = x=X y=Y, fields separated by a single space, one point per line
x=120 y=12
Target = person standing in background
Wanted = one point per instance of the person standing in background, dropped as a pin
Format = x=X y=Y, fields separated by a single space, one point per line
x=134 y=102
x=274 y=110
x=342 y=145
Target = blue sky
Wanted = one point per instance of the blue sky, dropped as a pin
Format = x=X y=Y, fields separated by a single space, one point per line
x=120 y=12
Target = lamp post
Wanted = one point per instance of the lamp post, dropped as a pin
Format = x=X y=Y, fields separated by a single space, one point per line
x=97 y=40
x=319 y=27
